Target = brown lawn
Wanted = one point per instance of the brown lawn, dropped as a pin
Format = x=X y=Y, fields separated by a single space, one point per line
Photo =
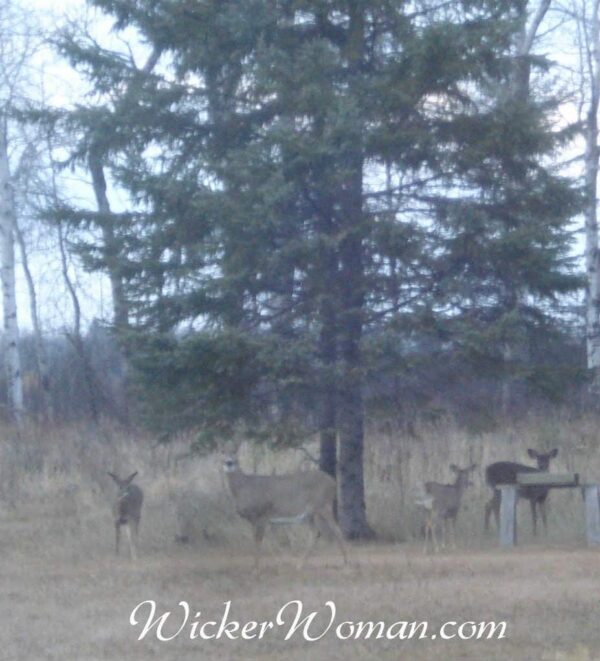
x=62 y=600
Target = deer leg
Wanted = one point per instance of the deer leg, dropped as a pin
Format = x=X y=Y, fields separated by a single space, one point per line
x=488 y=512
x=314 y=526
x=427 y=531
x=444 y=532
x=331 y=524
x=132 y=552
x=453 y=526
x=136 y=532
x=259 y=533
x=532 y=503
x=434 y=538
x=497 y=498
x=543 y=513
x=117 y=537
x=492 y=507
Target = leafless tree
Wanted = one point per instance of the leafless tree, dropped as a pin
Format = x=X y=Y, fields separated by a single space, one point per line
x=18 y=42
x=587 y=16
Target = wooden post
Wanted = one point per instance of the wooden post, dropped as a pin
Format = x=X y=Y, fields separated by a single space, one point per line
x=508 y=518
x=592 y=514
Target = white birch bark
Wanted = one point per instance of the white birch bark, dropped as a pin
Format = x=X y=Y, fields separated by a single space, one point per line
x=592 y=257
x=7 y=276
x=589 y=34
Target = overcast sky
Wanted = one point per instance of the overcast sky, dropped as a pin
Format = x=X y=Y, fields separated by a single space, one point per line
x=62 y=86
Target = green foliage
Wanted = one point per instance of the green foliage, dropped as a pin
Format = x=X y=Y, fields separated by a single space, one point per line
x=324 y=192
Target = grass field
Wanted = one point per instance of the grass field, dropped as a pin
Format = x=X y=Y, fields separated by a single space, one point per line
x=65 y=596
x=76 y=603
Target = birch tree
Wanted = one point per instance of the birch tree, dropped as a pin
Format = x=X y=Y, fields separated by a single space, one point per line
x=17 y=45
x=588 y=32
x=7 y=266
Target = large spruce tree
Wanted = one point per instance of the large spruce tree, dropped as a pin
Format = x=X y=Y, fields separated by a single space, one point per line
x=303 y=173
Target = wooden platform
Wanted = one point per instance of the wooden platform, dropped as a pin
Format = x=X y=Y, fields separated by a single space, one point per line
x=550 y=480
x=508 y=503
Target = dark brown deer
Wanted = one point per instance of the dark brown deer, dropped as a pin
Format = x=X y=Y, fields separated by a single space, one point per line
x=505 y=472
x=127 y=510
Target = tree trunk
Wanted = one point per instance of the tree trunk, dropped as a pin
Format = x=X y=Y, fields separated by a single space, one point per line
x=7 y=263
x=592 y=257
x=328 y=294
x=328 y=412
x=111 y=246
x=352 y=512
x=328 y=340
x=516 y=350
x=75 y=337
x=40 y=350
x=521 y=67
x=111 y=251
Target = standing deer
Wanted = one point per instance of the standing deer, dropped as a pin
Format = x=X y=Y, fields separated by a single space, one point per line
x=305 y=497
x=442 y=503
x=127 y=510
x=505 y=472
x=425 y=502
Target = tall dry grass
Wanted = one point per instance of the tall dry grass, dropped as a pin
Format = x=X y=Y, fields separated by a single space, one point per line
x=66 y=597
x=62 y=473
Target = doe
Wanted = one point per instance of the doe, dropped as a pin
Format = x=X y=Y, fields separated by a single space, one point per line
x=303 y=497
x=505 y=472
x=442 y=503
x=127 y=511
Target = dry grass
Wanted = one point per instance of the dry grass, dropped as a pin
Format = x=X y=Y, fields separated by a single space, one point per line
x=54 y=608
x=65 y=596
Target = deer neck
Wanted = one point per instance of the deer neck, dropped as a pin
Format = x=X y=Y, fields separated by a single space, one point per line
x=234 y=479
x=459 y=485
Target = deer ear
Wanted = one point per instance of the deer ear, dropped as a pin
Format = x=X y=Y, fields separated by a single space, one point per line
x=532 y=453
x=130 y=478
x=115 y=478
x=454 y=468
x=554 y=453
